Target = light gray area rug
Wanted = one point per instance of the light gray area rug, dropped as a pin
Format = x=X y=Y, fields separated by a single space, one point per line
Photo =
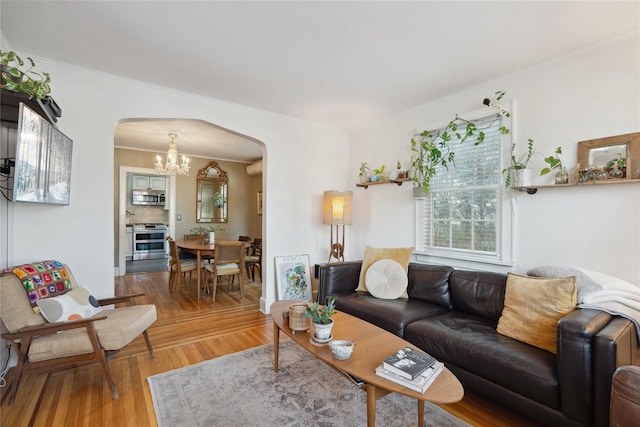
x=241 y=389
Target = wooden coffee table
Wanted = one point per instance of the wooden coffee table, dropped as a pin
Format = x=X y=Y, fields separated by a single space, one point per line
x=372 y=345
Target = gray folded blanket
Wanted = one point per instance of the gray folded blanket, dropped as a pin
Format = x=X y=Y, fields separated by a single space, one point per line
x=599 y=291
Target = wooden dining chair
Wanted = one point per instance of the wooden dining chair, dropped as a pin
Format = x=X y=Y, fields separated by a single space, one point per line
x=253 y=262
x=228 y=261
x=187 y=255
x=178 y=267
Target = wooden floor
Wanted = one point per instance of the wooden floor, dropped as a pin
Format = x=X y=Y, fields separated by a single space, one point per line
x=187 y=331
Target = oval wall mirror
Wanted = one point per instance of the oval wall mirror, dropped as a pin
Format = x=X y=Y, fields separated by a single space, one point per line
x=212 y=194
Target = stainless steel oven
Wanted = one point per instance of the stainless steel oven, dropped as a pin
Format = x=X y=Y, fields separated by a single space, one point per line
x=149 y=241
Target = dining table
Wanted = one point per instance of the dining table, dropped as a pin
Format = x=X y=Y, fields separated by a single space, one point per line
x=199 y=248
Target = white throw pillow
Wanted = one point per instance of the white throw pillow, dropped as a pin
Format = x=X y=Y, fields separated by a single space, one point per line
x=76 y=304
x=386 y=279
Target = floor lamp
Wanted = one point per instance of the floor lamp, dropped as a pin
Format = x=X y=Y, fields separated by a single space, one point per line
x=336 y=212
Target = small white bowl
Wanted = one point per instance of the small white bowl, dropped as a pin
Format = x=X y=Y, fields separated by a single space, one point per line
x=341 y=349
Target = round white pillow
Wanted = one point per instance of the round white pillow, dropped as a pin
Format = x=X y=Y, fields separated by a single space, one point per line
x=386 y=279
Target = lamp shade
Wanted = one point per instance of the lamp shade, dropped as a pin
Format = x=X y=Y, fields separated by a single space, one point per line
x=336 y=207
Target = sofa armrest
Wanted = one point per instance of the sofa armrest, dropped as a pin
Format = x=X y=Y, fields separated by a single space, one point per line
x=615 y=345
x=338 y=278
x=575 y=362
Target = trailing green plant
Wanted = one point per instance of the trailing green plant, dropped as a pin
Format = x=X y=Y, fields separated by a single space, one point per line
x=517 y=163
x=553 y=161
x=16 y=78
x=432 y=149
x=321 y=314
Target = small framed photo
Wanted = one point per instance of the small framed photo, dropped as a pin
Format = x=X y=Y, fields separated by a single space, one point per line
x=293 y=278
x=259 y=201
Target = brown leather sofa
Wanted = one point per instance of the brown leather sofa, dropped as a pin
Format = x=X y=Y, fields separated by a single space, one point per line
x=625 y=397
x=453 y=315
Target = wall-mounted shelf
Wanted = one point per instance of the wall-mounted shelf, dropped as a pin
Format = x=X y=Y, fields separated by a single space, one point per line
x=533 y=189
x=366 y=185
x=10 y=107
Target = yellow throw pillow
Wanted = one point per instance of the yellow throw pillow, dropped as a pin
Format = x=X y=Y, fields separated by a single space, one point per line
x=371 y=255
x=533 y=306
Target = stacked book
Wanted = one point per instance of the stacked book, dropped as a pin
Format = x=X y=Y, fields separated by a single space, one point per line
x=410 y=368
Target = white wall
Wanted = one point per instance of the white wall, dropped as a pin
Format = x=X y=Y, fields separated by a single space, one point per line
x=591 y=94
x=300 y=164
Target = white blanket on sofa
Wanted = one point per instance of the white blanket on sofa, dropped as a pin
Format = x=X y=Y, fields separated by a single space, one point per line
x=600 y=291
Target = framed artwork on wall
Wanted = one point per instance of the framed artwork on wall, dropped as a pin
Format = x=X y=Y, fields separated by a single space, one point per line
x=293 y=278
x=259 y=200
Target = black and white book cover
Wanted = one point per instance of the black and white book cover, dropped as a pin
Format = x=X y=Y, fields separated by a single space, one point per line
x=408 y=362
x=420 y=383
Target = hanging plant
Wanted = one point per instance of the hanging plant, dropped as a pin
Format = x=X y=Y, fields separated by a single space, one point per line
x=17 y=78
x=431 y=149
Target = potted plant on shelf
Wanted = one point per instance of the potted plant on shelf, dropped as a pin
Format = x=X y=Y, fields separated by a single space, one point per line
x=562 y=177
x=378 y=174
x=321 y=318
x=397 y=174
x=364 y=173
x=26 y=80
x=518 y=172
x=617 y=167
x=432 y=149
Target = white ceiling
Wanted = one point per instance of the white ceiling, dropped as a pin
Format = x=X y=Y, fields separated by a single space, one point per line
x=344 y=64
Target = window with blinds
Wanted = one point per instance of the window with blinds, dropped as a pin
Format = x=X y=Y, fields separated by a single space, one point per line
x=462 y=213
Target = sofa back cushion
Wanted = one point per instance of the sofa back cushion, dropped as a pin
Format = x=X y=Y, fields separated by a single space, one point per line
x=430 y=283
x=478 y=292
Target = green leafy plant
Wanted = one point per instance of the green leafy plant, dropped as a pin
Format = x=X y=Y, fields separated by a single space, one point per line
x=218 y=200
x=553 y=161
x=321 y=314
x=432 y=149
x=619 y=162
x=517 y=163
x=364 y=169
x=379 y=172
x=398 y=166
x=27 y=80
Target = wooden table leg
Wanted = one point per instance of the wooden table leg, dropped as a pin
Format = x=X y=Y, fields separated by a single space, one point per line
x=199 y=272
x=371 y=405
x=276 y=346
x=420 y=412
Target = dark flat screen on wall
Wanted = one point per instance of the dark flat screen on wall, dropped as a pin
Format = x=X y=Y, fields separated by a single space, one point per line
x=43 y=161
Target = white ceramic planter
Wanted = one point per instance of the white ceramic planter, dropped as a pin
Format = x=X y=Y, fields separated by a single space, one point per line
x=522 y=178
x=321 y=331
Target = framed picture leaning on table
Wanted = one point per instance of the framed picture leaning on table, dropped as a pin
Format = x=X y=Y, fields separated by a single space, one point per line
x=293 y=278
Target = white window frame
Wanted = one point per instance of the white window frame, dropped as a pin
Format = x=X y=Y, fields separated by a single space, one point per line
x=504 y=258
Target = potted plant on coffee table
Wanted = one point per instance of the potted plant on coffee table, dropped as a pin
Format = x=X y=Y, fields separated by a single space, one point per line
x=321 y=318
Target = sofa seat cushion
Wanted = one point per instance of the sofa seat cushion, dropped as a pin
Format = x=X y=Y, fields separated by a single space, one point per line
x=391 y=315
x=472 y=343
x=114 y=333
